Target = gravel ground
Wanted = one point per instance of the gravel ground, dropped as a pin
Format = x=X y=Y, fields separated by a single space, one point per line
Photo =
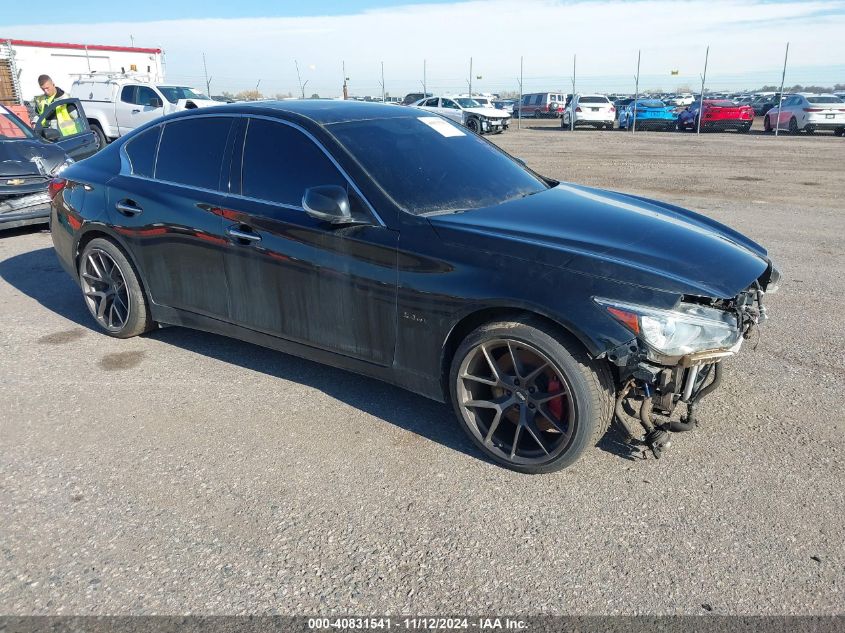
x=184 y=472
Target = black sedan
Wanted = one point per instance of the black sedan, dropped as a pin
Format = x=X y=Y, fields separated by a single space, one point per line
x=29 y=158
x=396 y=244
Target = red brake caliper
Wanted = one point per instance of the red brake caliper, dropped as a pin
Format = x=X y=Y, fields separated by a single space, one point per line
x=556 y=405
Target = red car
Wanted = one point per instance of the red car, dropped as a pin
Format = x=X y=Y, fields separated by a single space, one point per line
x=719 y=114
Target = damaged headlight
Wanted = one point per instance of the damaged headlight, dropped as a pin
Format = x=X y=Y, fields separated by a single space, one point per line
x=687 y=329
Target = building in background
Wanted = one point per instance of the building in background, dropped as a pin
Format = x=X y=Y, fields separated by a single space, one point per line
x=22 y=61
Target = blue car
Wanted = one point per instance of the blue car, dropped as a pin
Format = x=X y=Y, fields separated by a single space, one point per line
x=651 y=115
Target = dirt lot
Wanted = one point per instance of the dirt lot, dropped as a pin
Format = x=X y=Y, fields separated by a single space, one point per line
x=184 y=472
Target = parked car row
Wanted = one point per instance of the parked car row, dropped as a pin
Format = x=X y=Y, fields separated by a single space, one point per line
x=795 y=113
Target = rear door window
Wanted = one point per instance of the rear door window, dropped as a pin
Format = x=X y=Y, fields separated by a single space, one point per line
x=191 y=151
x=280 y=163
x=141 y=152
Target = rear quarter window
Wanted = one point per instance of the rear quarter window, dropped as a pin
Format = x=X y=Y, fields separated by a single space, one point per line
x=191 y=151
x=141 y=152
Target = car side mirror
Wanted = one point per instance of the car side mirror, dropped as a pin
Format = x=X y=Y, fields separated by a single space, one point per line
x=50 y=134
x=155 y=102
x=328 y=203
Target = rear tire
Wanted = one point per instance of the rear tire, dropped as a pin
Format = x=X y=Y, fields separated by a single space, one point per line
x=510 y=404
x=840 y=131
x=767 y=124
x=793 y=125
x=112 y=290
x=102 y=141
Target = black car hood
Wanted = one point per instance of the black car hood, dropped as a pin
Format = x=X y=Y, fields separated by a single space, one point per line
x=621 y=237
x=16 y=157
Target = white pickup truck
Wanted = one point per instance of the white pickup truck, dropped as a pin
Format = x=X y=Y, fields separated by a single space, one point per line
x=117 y=104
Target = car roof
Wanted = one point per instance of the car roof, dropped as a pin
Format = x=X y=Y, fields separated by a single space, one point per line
x=321 y=111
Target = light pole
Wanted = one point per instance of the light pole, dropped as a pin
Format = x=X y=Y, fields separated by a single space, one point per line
x=782 y=79
x=701 y=98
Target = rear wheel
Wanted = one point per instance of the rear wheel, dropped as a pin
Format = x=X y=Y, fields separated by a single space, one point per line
x=99 y=135
x=528 y=396
x=840 y=131
x=793 y=125
x=112 y=290
x=767 y=124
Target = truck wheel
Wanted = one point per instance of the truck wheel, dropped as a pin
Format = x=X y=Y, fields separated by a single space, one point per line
x=102 y=141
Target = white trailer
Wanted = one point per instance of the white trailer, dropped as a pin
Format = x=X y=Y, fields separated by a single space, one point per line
x=22 y=61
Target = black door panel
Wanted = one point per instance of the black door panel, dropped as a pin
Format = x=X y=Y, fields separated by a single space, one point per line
x=333 y=288
x=176 y=233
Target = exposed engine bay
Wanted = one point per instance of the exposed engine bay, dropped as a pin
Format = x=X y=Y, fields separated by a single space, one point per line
x=654 y=383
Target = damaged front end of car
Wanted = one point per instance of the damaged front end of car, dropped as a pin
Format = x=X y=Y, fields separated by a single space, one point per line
x=676 y=357
x=24 y=190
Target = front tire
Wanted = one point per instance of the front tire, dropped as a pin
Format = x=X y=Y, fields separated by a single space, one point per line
x=529 y=396
x=474 y=125
x=112 y=290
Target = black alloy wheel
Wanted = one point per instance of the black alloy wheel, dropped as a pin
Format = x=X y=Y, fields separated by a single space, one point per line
x=529 y=397
x=112 y=291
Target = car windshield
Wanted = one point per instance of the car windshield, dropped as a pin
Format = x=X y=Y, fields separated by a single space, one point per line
x=593 y=100
x=824 y=99
x=650 y=103
x=11 y=127
x=721 y=104
x=174 y=93
x=428 y=164
x=468 y=103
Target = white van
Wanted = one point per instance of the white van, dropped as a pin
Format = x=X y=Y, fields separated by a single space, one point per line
x=118 y=103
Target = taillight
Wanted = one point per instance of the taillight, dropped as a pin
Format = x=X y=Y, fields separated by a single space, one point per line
x=578 y=109
x=813 y=109
x=55 y=186
x=612 y=109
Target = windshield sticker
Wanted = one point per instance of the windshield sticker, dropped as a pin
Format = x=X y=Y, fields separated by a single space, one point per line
x=444 y=127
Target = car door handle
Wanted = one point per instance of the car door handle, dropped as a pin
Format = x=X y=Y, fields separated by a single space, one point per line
x=238 y=234
x=128 y=208
x=135 y=111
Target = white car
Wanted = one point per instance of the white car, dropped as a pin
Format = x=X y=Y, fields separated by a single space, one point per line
x=116 y=104
x=467 y=112
x=595 y=110
x=807 y=112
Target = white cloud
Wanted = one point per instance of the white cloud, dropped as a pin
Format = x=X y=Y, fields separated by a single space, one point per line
x=745 y=37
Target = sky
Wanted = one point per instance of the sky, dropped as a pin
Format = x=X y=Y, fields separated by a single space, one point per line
x=255 y=42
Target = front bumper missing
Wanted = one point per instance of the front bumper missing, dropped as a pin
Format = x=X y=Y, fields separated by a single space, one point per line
x=652 y=385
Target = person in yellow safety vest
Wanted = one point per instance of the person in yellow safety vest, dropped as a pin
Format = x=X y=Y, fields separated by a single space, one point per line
x=66 y=123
